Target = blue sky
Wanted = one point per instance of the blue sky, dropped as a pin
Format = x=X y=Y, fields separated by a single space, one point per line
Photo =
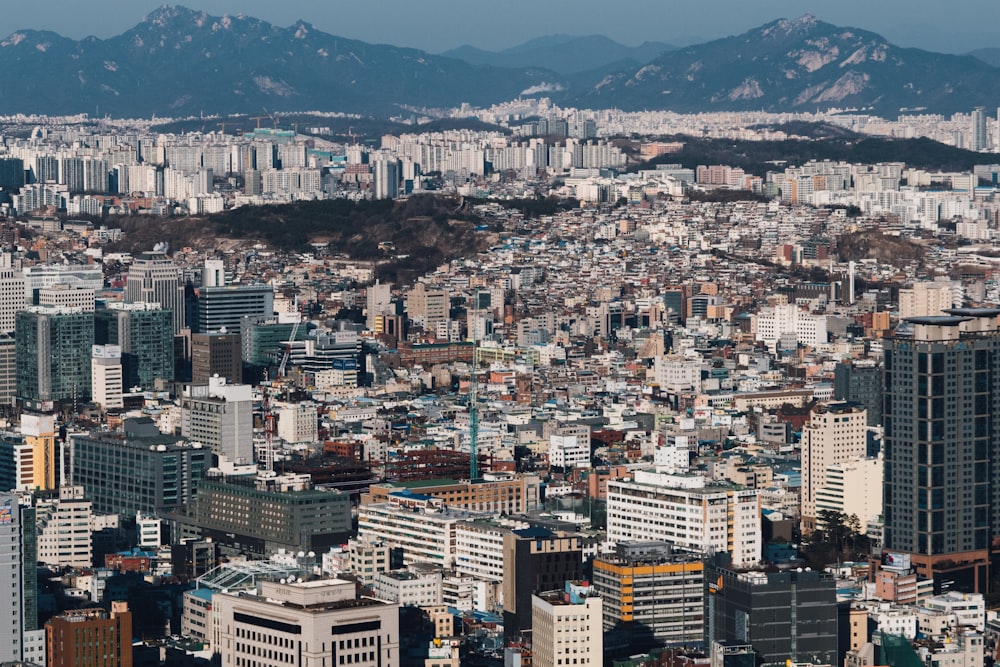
x=437 y=25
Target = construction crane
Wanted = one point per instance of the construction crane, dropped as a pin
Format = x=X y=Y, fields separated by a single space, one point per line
x=474 y=399
x=258 y=119
x=288 y=348
x=222 y=126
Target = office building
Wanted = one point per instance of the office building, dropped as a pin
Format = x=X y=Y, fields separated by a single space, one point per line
x=136 y=469
x=264 y=340
x=260 y=514
x=566 y=626
x=379 y=302
x=427 y=307
x=12 y=293
x=220 y=416
x=500 y=494
x=789 y=615
x=106 y=376
x=298 y=422
x=53 y=348
x=8 y=369
x=537 y=559
x=321 y=623
x=860 y=382
x=64 y=535
x=927 y=299
x=216 y=354
x=652 y=593
x=853 y=488
x=18 y=595
x=144 y=332
x=942 y=445
x=835 y=433
x=28 y=458
x=980 y=138
x=686 y=511
x=154 y=278
x=64 y=296
x=92 y=636
x=420 y=526
x=224 y=307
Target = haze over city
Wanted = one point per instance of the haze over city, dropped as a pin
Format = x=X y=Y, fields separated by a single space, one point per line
x=438 y=25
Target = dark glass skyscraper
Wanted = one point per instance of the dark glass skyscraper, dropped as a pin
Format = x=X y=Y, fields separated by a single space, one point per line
x=942 y=444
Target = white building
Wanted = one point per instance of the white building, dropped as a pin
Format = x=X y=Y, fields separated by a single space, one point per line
x=677 y=373
x=298 y=422
x=64 y=537
x=854 y=488
x=569 y=451
x=305 y=624
x=409 y=588
x=775 y=322
x=685 y=511
x=927 y=298
x=423 y=529
x=220 y=415
x=106 y=376
x=368 y=556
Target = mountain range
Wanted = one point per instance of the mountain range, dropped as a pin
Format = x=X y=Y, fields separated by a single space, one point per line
x=180 y=62
x=565 y=54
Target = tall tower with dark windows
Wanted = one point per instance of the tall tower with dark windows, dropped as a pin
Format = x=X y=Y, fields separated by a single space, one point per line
x=942 y=444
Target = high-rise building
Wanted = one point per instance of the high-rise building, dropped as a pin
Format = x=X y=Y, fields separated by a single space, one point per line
x=12 y=293
x=61 y=542
x=216 y=354
x=652 y=593
x=379 y=298
x=788 y=615
x=428 y=307
x=860 y=382
x=225 y=307
x=92 y=636
x=18 y=596
x=136 y=469
x=220 y=415
x=536 y=560
x=942 y=445
x=106 y=376
x=154 y=278
x=566 y=625
x=980 y=138
x=53 y=348
x=306 y=624
x=927 y=299
x=835 y=433
x=145 y=334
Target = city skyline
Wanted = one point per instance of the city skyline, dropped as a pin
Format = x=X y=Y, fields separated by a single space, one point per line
x=447 y=24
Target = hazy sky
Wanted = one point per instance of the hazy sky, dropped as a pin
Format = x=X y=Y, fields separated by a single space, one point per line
x=437 y=25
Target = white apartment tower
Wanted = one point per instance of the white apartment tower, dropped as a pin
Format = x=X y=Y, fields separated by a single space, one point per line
x=836 y=433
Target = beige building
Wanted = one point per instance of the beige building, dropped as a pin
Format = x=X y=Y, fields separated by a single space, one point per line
x=494 y=493
x=835 y=433
x=928 y=298
x=319 y=623
x=566 y=627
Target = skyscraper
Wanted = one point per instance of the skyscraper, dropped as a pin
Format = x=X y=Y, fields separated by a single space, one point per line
x=153 y=278
x=144 y=332
x=53 y=348
x=942 y=445
x=11 y=595
x=979 y=136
